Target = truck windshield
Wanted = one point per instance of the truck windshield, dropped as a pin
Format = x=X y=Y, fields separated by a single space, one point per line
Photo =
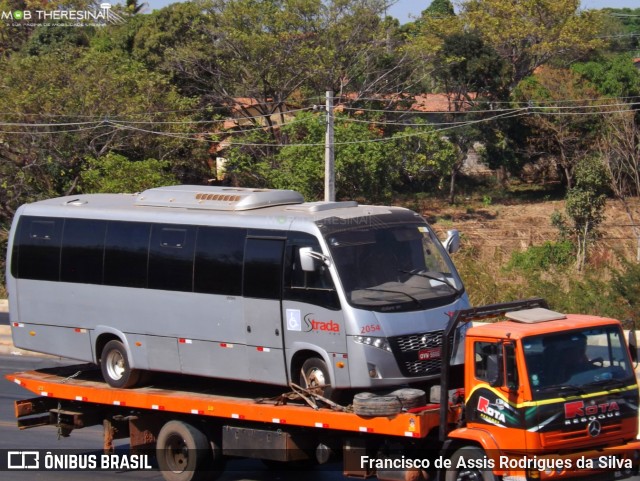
x=393 y=267
x=578 y=362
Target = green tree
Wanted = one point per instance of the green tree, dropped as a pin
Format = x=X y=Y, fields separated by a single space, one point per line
x=61 y=108
x=564 y=117
x=585 y=204
x=530 y=33
x=114 y=173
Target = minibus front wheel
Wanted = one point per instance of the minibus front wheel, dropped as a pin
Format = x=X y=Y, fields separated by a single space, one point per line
x=314 y=375
x=115 y=366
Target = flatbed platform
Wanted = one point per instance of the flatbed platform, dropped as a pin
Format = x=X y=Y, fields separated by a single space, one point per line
x=232 y=400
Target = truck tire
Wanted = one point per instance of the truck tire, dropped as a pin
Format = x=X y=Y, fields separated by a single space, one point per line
x=183 y=453
x=115 y=366
x=315 y=371
x=463 y=457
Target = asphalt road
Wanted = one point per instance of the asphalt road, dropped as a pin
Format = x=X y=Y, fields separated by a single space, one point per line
x=89 y=440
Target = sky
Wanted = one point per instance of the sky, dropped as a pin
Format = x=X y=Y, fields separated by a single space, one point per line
x=404 y=10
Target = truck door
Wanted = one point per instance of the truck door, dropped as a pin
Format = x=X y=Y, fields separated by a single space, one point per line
x=262 y=292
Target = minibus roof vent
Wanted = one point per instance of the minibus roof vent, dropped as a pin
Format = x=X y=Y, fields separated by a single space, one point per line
x=323 y=206
x=216 y=198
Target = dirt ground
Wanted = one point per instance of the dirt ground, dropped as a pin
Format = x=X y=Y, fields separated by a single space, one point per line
x=496 y=230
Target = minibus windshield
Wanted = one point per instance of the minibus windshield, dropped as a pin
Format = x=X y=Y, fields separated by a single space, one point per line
x=393 y=266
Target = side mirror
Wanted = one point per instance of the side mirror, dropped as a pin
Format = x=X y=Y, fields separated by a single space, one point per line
x=633 y=345
x=452 y=242
x=309 y=258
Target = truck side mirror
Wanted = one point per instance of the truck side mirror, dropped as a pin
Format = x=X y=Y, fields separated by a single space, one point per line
x=452 y=242
x=633 y=345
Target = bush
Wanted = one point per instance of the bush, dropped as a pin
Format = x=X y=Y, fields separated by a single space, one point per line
x=544 y=257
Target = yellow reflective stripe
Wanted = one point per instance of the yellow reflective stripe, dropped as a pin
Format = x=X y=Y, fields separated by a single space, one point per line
x=527 y=404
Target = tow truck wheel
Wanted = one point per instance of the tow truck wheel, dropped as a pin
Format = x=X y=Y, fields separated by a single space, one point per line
x=467 y=465
x=183 y=453
x=115 y=367
x=314 y=375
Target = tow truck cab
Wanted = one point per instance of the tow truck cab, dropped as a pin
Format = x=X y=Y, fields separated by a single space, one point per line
x=548 y=384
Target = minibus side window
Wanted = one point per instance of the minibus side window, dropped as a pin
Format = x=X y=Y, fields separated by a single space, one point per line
x=219 y=258
x=39 y=240
x=126 y=254
x=171 y=257
x=83 y=251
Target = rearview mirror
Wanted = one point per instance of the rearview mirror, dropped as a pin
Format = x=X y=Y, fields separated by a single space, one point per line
x=633 y=345
x=452 y=242
x=309 y=259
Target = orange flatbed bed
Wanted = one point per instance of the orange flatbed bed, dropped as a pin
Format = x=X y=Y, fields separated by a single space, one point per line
x=67 y=384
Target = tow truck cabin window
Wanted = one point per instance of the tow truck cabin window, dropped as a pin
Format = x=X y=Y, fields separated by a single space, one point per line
x=586 y=361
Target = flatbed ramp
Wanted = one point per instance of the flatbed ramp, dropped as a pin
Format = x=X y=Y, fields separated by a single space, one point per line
x=81 y=384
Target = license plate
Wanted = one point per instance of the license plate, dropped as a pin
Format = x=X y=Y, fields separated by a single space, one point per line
x=427 y=354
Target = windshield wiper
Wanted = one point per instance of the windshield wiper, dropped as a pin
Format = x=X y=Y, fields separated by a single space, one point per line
x=562 y=388
x=610 y=383
x=388 y=291
x=444 y=280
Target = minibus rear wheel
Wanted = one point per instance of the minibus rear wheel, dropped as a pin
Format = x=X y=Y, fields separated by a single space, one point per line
x=314 y=375
x=115 y=366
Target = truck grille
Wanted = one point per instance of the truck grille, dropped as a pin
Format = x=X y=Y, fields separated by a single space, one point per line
x=407 y=352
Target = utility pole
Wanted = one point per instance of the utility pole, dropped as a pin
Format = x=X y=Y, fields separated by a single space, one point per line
x=329 y=165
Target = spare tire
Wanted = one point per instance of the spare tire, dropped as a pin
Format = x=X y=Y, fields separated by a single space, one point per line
x=411 y=398
x=370 y=405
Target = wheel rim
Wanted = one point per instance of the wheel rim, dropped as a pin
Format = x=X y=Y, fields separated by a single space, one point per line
x=469 y=475
x=316 y=378
x=177 y=454
x=115 y=365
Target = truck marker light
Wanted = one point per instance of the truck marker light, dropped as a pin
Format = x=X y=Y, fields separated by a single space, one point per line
x=364 y=429
x=410 y=434
x=197 y=411
x=263 y=349
x=228 y=346
x=18 y=324
x=80 y=330
x=185 y=341
x=18 y=382
x=119 y=403
x=322 y=425
x=81 y=398
x=32 y=333
x=45 y=393
x=278 y=421
x=138 y=344
x=340 y=365
x=157 y=407
x=237 y=416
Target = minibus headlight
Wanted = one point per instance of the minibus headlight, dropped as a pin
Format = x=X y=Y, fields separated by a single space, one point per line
x=379 y=342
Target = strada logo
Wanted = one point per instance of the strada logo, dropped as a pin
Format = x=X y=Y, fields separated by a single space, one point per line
x=312 y=324
x=484 y=406
x=577 y=412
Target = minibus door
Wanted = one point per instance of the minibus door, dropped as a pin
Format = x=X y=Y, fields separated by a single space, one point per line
x=262 y=292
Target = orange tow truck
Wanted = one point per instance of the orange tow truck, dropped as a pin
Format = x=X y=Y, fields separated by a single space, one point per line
x=540 y=396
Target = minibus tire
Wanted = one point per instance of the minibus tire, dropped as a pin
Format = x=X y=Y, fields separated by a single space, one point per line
x=315 y=369
x=469 y=454
x=183 y=453
x=113 y=358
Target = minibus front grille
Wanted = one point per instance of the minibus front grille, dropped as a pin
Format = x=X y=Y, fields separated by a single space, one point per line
x=418 y=354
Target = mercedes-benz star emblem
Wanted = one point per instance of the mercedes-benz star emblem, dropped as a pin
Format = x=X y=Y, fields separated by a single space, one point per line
x=594 y=428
